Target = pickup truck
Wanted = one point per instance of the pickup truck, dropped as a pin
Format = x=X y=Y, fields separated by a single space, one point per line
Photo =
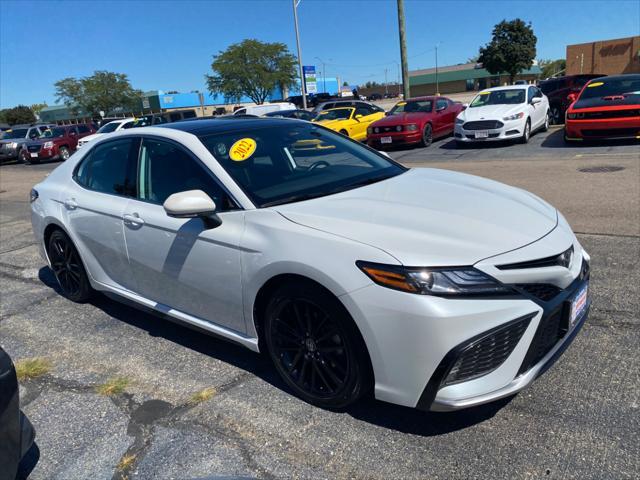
x=57 y=143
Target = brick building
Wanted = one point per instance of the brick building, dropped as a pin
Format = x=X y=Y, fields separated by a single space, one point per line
x=609 y=57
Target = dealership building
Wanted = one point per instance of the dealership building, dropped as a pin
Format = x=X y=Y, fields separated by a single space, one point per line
x=466 y=77
x=608 y=57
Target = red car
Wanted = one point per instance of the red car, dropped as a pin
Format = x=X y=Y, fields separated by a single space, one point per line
x=415 y=121
x=56 y=143
x=606 y=108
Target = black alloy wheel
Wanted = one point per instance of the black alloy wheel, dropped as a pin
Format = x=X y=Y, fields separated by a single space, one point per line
x=427 y=135
x=556 y=116
x=68 y=268
x=315 y=346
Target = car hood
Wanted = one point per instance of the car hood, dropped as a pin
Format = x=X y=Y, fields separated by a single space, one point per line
x=401 y=119
x=93 y=136
x=430 y=217
x=491 y=112
x=611 y=101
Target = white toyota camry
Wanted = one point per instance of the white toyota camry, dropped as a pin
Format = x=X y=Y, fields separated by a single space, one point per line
x=434 y=289
x=503 y=113
x=113 y=126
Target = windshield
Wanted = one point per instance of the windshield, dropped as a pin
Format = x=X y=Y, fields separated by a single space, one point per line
x=499 y=97
x=412 y=106
x=335 y=114
x=19 y=133
x=296 y=161
x=108 y=127
x=53 y=133
x=607 y=88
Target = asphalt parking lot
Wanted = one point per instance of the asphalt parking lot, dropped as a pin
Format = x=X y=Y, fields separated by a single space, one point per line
x=131 y=395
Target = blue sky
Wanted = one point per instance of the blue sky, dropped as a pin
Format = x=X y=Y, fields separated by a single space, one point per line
x=168 y=45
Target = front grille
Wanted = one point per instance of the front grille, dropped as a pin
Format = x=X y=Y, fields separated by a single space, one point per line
x=483 y=125
x=611 y=132
x=34 y=148
x=542 y=291
x=488 y=352
x=384 y=129
x=562 y=259
x=610 y=114
x=551 y=329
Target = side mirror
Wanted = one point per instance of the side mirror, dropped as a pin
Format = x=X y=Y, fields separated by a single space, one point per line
x=358 y=117
x=465 y=106
x=536 y=100
x=572 y=97
x=440 y=109
x=192 y=204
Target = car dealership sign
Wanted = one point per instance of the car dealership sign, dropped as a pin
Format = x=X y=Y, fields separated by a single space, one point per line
x=310 y=83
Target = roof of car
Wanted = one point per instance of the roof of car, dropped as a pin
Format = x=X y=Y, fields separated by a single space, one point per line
x=507 y=87
x=223 y=124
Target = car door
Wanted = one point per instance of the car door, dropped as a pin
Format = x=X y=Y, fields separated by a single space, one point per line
x=441 y=118
x=93 y=205
x=180 y=262
x=537 y=110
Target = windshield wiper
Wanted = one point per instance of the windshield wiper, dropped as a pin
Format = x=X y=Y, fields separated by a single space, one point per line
x=295 y=198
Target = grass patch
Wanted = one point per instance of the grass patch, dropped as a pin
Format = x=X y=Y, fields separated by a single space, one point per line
x=32 y=368
x=125 y=462
x=113 y=386
x=202 y=396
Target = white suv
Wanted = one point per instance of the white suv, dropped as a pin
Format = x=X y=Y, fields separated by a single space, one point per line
x=110 y=127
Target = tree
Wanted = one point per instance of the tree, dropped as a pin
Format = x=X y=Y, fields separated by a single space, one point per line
x=511 y=50
x=103 y=91
x=552 y=67
x=36 y=108
x=251 y=68
x=473 y=59
x=345 y=84
x=17 y=115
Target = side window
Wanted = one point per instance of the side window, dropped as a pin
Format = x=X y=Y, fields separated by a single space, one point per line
x=165 y=169
x=531 y=93
x=362 y=111
x=33 y=133
x=110 y=168
x=538 y=92
x=127 y=125
x=83 y=129
x=441 y=104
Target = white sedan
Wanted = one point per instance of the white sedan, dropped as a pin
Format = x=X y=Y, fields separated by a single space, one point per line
x=431 y=288
x=113 y=126
x=503 y=113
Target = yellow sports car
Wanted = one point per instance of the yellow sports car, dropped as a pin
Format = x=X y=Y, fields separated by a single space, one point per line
x=350 y=121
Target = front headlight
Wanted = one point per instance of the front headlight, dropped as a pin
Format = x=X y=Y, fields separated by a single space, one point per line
x=515 y=116
x=444 y=282
x=13 y=145
x=573 y=116
x=459 y=121
x=412 y=127
x=48 y=145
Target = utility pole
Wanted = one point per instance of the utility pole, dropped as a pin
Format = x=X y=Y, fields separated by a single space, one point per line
x=437 y=85
x=324 y=73
x=403 y=50
x=302 y=85
x=386 y=84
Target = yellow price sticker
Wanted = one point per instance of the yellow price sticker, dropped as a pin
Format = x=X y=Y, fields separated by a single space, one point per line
x=242 y=149
x=595 y=84
x=484 y=93
x=401 y=103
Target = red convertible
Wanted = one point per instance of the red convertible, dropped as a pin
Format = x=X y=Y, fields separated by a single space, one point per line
x=607 y=107
x=414 y=121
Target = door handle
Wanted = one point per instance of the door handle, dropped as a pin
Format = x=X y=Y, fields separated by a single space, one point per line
x=133 y=219
x=70 y=204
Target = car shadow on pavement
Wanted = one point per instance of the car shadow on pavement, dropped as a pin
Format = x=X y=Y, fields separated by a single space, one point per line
x=556 y=140
x=452 y=145
x=386 y=415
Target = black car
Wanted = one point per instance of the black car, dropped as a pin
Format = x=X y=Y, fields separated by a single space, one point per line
x=16 y=432
x=558 y=89
x=374 y=96
x=299 y=114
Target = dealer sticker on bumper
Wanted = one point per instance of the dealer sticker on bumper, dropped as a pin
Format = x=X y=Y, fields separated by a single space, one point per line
x=579 y=304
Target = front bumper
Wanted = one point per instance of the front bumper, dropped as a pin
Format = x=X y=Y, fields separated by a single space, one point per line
x=374 y=140
x=510 y=130
x=410 y=338
x=610 y=129
x=8 y=153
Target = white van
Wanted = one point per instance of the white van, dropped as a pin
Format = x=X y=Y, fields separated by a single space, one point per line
x=259 y=110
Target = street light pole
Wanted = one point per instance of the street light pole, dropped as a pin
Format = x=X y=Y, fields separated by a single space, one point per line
x=302 y=85
x=403 y=50
x=324 y=74
x=437 y=85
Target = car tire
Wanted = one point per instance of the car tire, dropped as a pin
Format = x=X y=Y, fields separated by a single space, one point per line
x=427 y=136
x=68 y=268
x=526 y=135
x=23 y=156
x=556 y=116
x=64 y=153
x=315 y=346
x=545 y=125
